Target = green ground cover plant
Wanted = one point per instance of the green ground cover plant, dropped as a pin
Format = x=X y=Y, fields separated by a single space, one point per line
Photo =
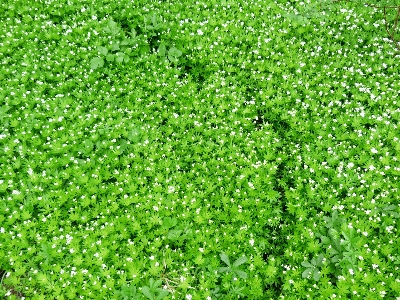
x=199 y=149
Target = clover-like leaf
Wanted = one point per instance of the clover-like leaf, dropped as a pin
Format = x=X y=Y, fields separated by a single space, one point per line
x=115 y=47
x=174 y=234
x=173 y=54
x=120 y=57
x=96 y=62
x=102 y=50
x=110 y=57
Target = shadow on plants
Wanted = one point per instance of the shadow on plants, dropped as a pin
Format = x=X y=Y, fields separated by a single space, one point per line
x=109 y=180
x=280 y=126
x=10 y=289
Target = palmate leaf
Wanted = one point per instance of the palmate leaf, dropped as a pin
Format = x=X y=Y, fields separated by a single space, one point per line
x=128 y=293
x=147 y=293
x=306 y=273
x=240 y=261
x=307 y=264
x=316 y=275
x=241 y=274
x=153 y=291
x=225 y=258
x=223 y=269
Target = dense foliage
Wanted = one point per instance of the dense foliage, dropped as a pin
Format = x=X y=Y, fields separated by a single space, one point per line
x=199 y=150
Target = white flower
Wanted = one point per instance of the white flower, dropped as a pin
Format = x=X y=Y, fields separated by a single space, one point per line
x=188 y=296
x=373 y=150
x=251 y=242
x=199 y=32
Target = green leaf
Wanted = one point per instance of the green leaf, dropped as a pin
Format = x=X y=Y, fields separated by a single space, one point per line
x=128 y=292
x=225 y=258
x=120 y=57
x=241 y=274
x=162 y=294
x=319 y=260
x=240 y=261
x=169 y=222
x=325 y=240
x=133 y=33
x=147 y=293
x=174 y=234
x=156 y=283
x=174 y=52
x=127 y=42
x=316 y=275
x=223 y=269
x=112 y=28
x=110 y=57
x=144 y=49
x=307 y=264
x=162 y=49
x=96 y=62
x=306 y=273
x=115 y=47
x=102 y=50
